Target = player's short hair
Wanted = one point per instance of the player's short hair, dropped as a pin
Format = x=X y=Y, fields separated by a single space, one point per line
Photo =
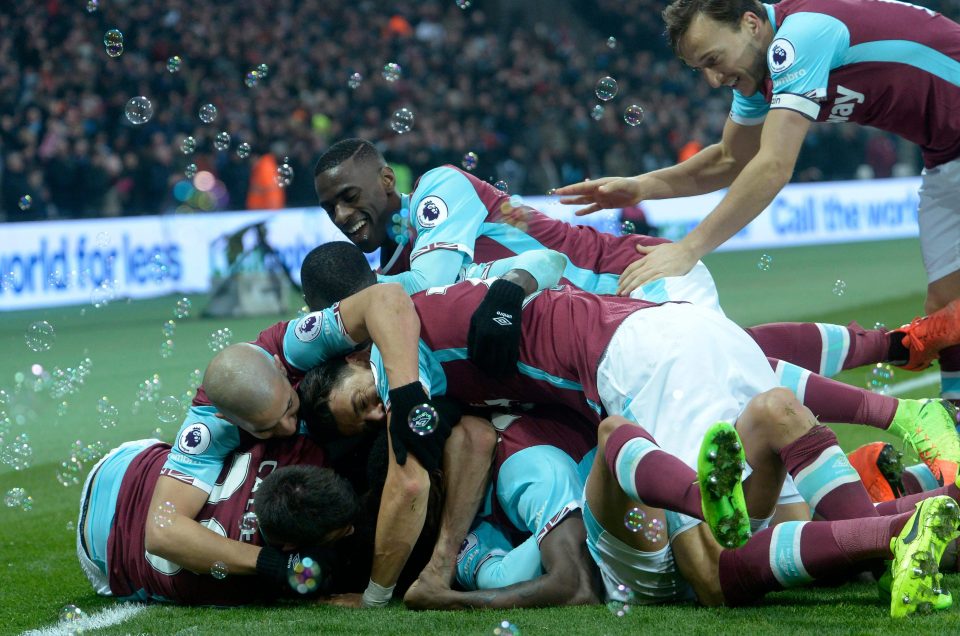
x=300 y=505
x=345 y=149
x=679 y=14
x=314 y=391
x=333 y=271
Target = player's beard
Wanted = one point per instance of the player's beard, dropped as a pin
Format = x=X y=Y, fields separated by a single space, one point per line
x=758 y=69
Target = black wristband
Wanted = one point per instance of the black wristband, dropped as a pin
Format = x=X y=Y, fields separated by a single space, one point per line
x=504 y=291
x=272 y=564
x=407 y=397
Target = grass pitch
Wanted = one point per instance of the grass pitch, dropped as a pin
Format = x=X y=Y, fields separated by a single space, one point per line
x=38 y=569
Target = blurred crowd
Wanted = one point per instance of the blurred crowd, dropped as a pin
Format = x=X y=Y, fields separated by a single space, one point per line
x=489 y=79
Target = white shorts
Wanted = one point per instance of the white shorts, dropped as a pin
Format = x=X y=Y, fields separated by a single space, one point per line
x=677 y=370
x=939 y=219
x=652 y=577
x=696 y=287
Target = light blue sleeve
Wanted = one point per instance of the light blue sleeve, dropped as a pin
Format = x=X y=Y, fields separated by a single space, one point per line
x=202 y=444
x=806 y=47
x=446 y=213
x=315 y=338
x=488 y=560
x=432 y=377
x=519 y=564
x=537 y=487
x=546 y=266
x=749 y=111
x=432 y=269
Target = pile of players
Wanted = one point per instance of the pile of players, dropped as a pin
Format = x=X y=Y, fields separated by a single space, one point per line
x=518 y=412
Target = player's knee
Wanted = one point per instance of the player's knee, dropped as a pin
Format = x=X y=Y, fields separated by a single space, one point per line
x=477 y=436
x=608 y=426
x=781 y=408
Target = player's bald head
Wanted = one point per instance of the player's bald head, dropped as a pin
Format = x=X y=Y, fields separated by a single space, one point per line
x=242 y=382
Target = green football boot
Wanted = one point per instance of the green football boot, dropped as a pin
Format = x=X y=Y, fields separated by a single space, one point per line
x=916 y=556
x=719 y=472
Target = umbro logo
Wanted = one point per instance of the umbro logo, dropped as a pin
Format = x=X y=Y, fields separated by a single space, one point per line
x=503 y=319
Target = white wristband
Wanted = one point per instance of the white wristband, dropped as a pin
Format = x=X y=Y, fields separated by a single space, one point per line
x=376 y=595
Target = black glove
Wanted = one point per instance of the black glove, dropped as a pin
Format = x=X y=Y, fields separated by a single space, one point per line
x=493 y=343
x=422 y=433
x=280 y=568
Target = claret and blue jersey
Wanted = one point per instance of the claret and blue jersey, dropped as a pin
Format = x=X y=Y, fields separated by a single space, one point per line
x=882 y=63
x=454 y=227
x=204 y=439
x=555 y=367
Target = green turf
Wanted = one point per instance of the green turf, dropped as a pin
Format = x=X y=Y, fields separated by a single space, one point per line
x=38 y=569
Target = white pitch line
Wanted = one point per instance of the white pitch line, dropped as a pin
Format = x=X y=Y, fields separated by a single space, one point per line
x=97 y=620
x=927 y=379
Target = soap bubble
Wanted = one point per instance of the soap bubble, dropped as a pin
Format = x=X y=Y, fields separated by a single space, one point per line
x=222 y=141
x=103 y=294
x=248 y=523
x=502 y=186
x=71 y=614
x=188 y=145
x=402 y=121
x=606 y=88
x=839 y=287
x=634 y=519
x=611 y=42
x=765 y=262
x=464 y=4
x=284 y=175
x=113 y=41
x=182 y=310
x=304 y=577
x=190 y=171
x=220 y=339
x=109 y=416
x=218 y=570
x=354 y=81
x=392 y=71
x=25 y=202
x=627 y=227
x=251 y=79
x=622 y=601
x=243 y=150
x=423 y=419
x=40 y=336
x=173 y=63
x=506 y=628
x=169 y=327
x=633 y=115
x=263 y=71
x=207 y=113
x=14 y=497
x=169 y=409
x=596 y=113
x=879 y=377
x=92 y=6
x=138 y=110
x=165 y=514
x=470 y=161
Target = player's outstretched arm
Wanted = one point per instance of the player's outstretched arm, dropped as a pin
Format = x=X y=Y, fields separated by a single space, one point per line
x=752 y=191
x=711 y=169
x=187 y=543
x=569 y=578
